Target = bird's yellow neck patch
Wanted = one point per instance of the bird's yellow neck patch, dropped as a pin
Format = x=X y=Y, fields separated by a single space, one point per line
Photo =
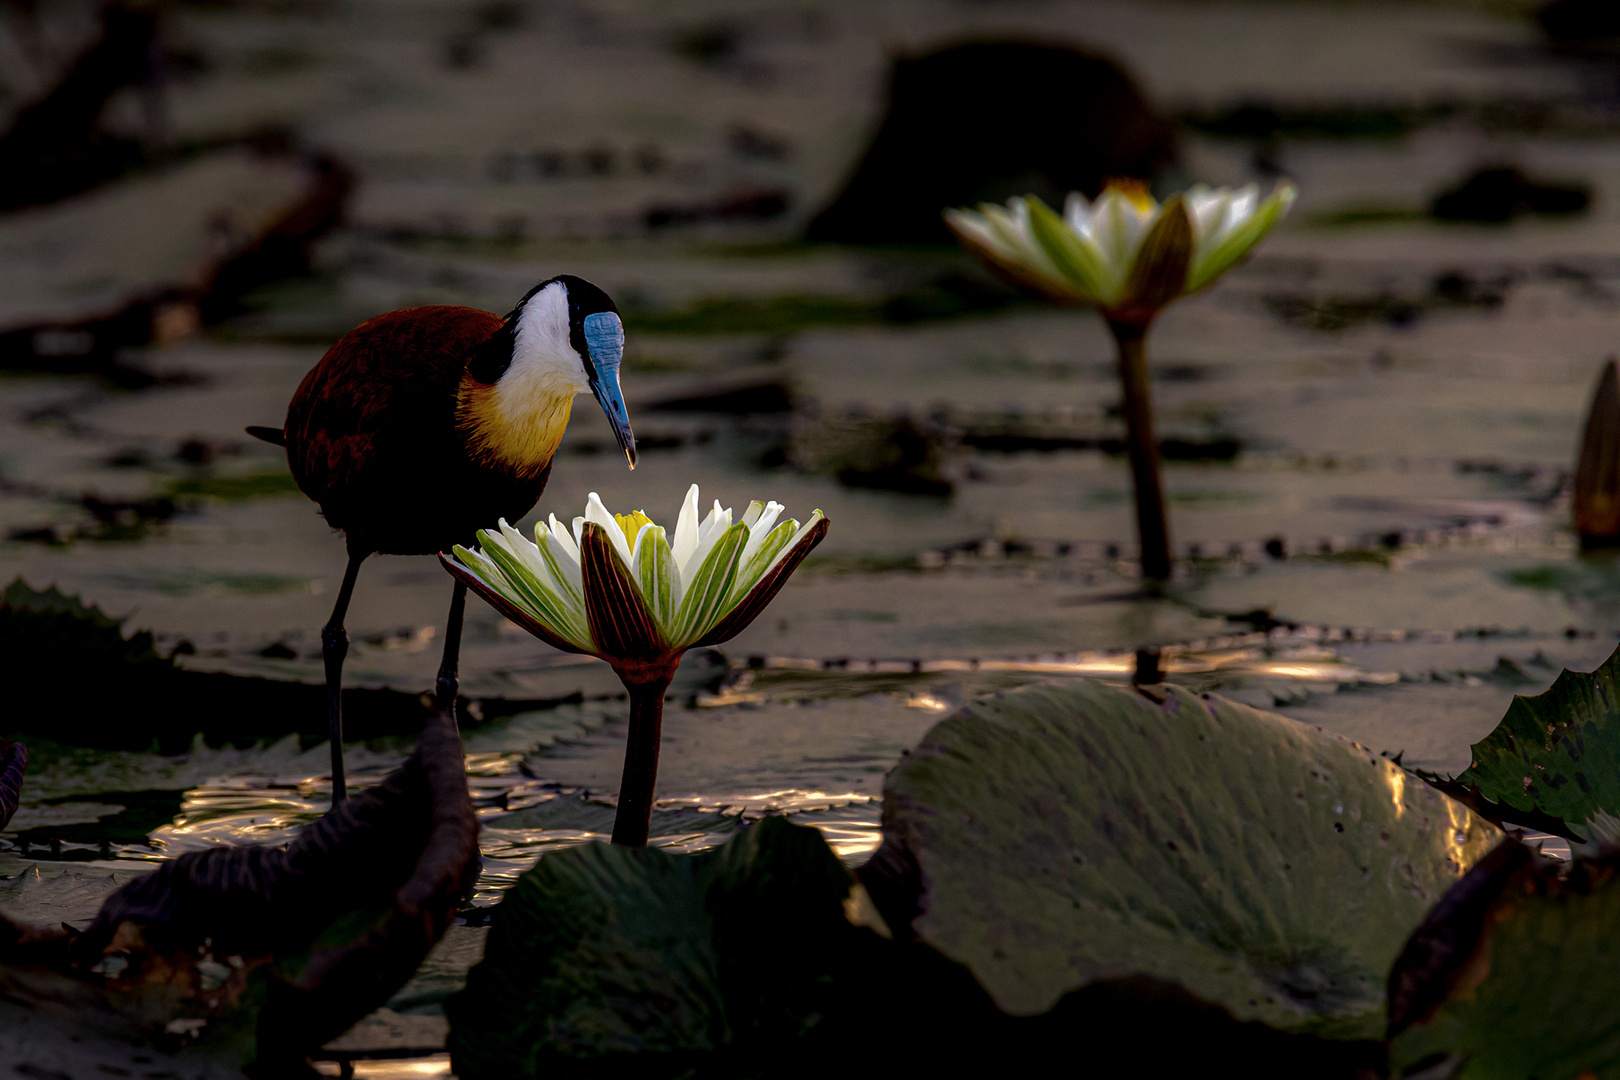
x=517 y=433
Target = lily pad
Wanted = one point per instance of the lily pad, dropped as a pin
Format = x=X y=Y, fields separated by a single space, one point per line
x=1065 y=834
x=1516 y=973
x=603 y=952
x=1554 y=760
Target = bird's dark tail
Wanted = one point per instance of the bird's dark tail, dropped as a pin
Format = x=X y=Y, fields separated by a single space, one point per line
x=268 y=434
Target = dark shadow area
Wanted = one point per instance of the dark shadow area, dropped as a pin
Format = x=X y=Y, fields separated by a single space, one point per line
x=57 y=146
x=88 y=685
x=985 y=121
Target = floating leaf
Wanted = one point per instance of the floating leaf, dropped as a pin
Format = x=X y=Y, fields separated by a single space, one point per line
x=1516 y=973
x=49 y=624
x=1554 y=760
x=1064 y=834
x=601 y=952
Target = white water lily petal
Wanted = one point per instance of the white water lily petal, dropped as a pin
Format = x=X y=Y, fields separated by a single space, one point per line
x=479 y=565
x=1077 y=212
x=798 y=535
x=569 y=542
x=1210 y=214
x=1090 y=278
x=654 y=571
x=529 y=562
x=1111 y=231
x=758 y=557
x=531 y=592
x=709 y=590
x=1251 y=224
x=686 y=528
x=760 y=527
x=975 y=230
x=541 y=585
x=712 y=523
x=598 y=514
x=561 y=557
x=1023 y=252
x=713 y=527
x=528 y=554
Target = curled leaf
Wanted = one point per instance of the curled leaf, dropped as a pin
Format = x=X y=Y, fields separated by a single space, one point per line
x=13 y=760
x=313 y=936
x=1514 y=973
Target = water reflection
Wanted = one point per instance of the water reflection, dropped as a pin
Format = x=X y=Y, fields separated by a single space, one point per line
x=783 y=735
x=415 y=1069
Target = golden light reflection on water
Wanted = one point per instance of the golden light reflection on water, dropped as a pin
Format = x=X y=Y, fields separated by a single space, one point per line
x=1306 y=663
x=403 y=1069
x=849 y=820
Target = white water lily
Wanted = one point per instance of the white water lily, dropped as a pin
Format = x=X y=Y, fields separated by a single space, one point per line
x=1125 y=252
x=615 y=586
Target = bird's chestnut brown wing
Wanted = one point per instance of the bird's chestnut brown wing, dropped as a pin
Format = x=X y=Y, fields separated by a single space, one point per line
x=373 y=421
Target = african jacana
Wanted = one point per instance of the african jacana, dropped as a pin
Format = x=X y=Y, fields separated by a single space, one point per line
x=423 y=425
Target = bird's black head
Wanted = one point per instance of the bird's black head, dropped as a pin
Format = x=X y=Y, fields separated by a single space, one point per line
x=492 y=359
x=564 y=330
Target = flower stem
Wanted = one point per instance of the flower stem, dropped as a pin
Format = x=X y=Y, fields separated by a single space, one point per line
x=1151 y=529
x=634 y=819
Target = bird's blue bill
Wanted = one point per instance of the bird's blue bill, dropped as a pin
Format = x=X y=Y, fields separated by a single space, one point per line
x=604 y=338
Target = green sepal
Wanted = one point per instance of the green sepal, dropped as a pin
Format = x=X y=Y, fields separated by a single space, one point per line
x=1076 y=259
x=1159 y=271
x=655 y=573
x=761 y=559
x=545 y=604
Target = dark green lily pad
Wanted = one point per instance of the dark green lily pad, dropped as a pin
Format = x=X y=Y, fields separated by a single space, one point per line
x=83 y=673
x=742 y=962
x=1554 y=760
x=602 y=952
x=1515 y=974
x=1060 y=835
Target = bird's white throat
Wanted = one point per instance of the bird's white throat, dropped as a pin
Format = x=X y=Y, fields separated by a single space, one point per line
x=543 y=358
x=519 y=421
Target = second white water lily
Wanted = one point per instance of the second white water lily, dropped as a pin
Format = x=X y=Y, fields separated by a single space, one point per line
x=618 y=587
x=1123 y=252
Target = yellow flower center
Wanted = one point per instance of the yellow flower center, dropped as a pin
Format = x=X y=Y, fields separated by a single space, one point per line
x=630 y=525
x=1134 y=190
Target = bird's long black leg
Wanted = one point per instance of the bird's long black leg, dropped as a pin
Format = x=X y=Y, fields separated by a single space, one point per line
x=334 y=647
x=449 y=681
